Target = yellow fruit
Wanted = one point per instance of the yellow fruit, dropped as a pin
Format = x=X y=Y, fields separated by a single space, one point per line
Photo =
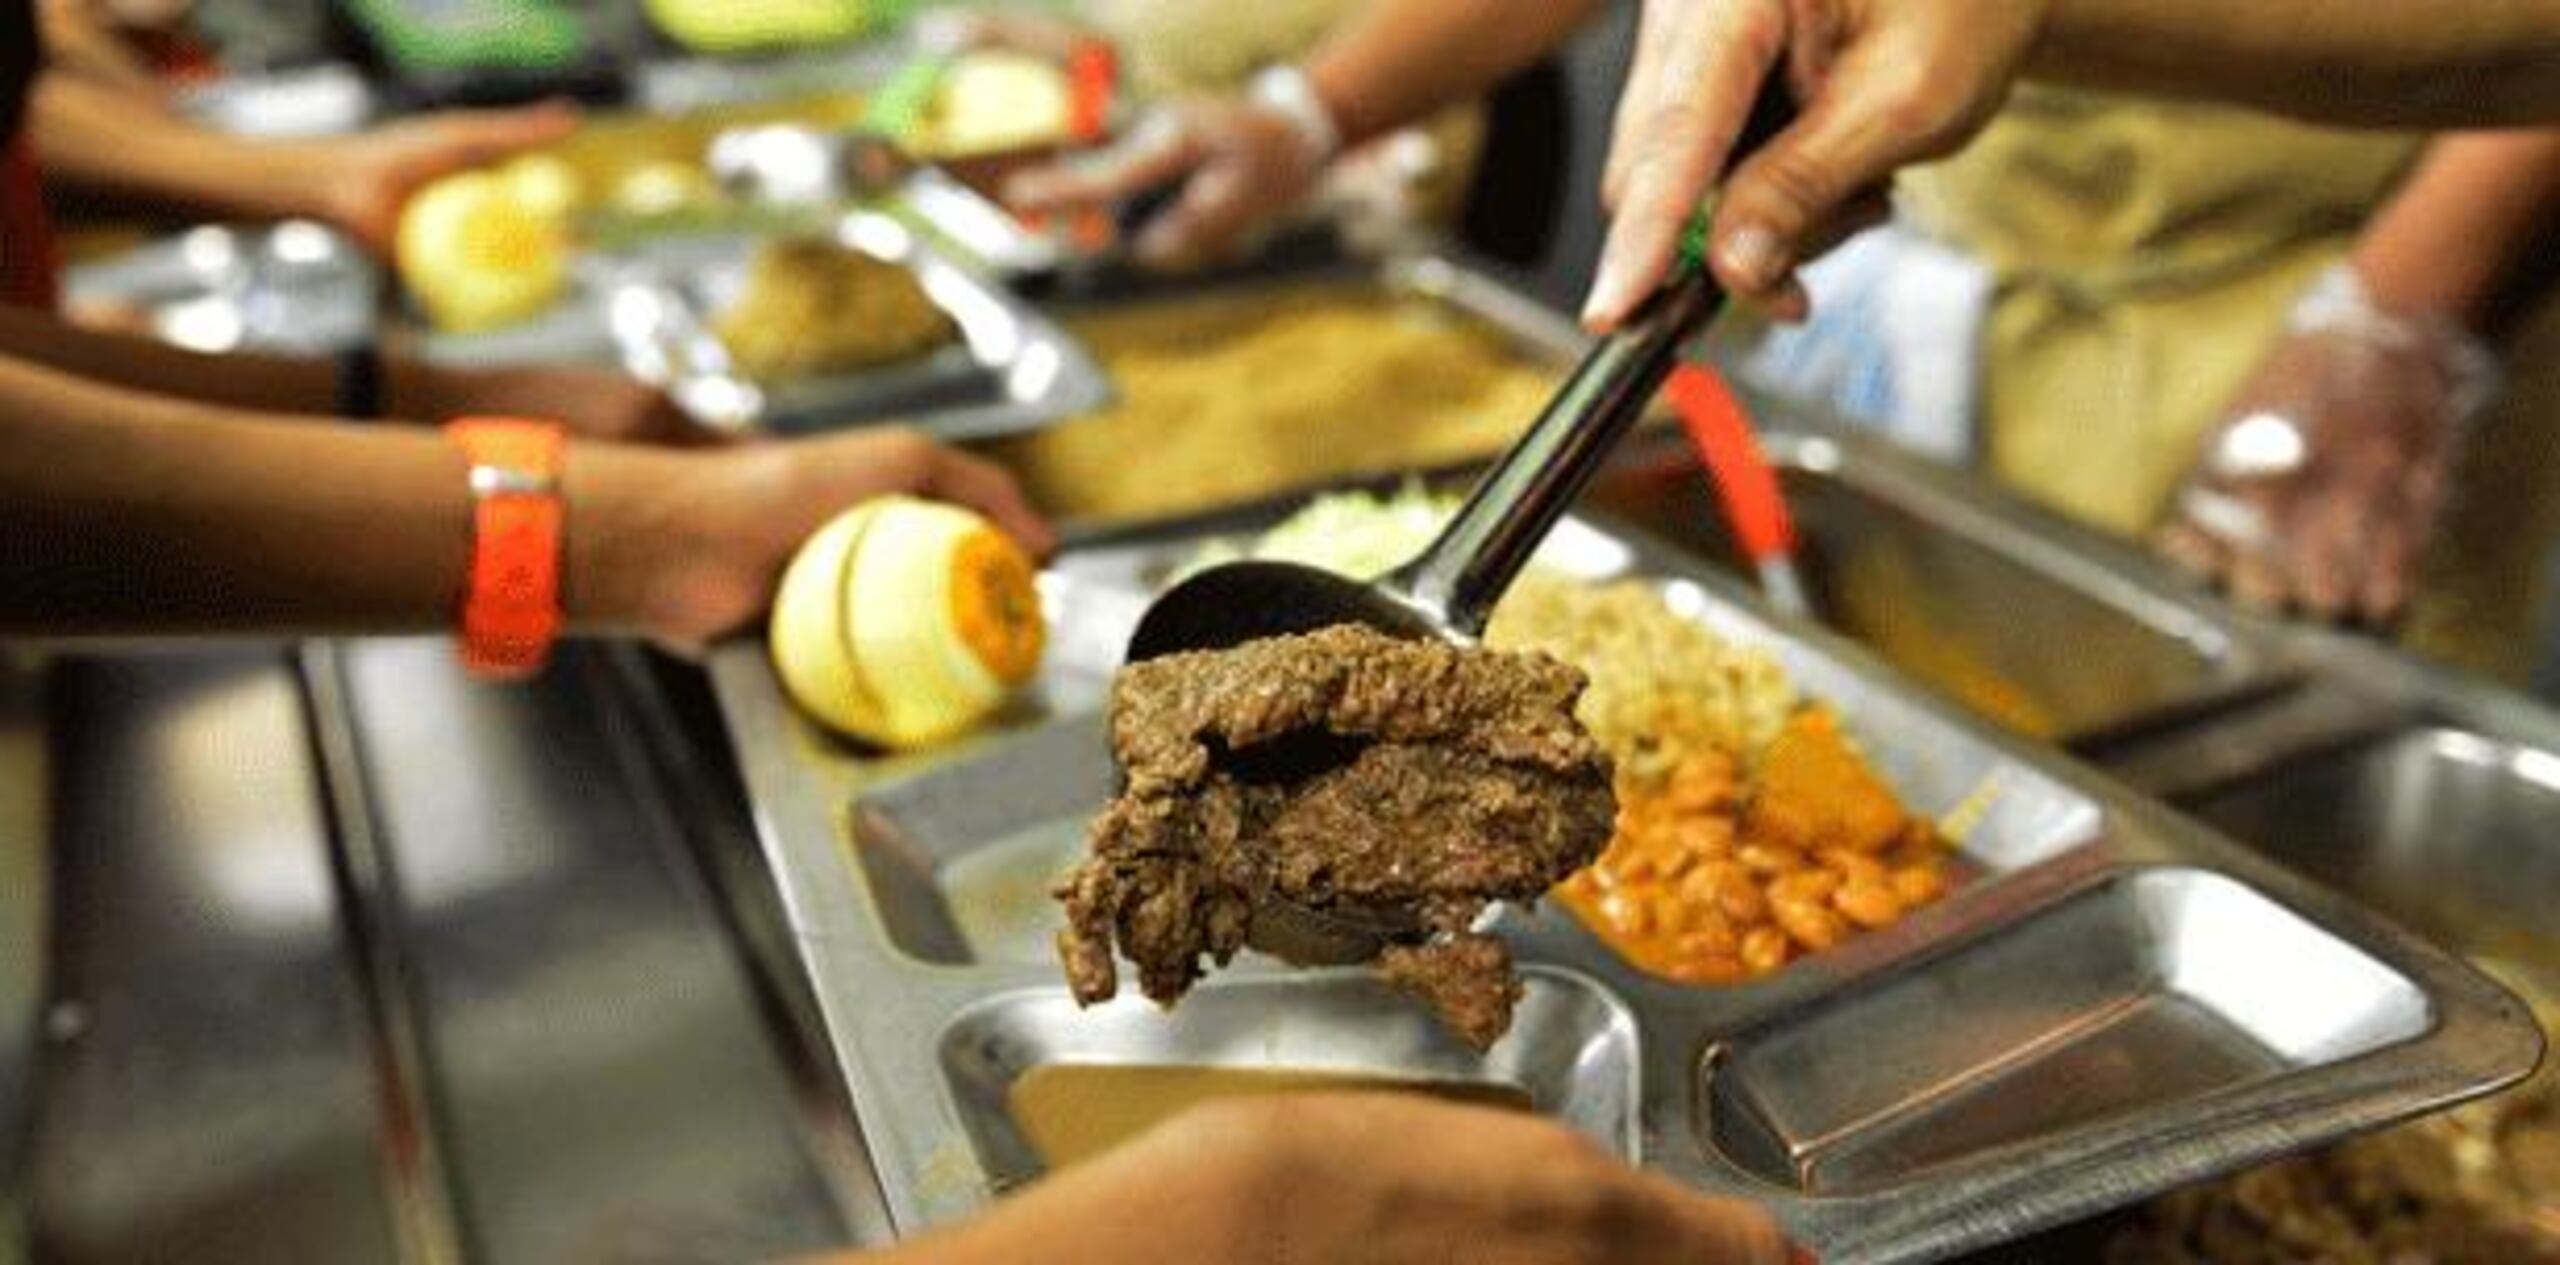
x=995 y=101
x=905 y=622
x=476 y=256
x=546 y=186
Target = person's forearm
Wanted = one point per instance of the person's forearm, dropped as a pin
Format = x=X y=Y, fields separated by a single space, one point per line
x=1398 y=61
x=75 y=42
x=2414 y=63
x=98 y=139
x=2445 y=242
x=122 y=512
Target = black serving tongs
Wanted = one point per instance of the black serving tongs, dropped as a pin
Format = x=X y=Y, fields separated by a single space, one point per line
x=1449 y=590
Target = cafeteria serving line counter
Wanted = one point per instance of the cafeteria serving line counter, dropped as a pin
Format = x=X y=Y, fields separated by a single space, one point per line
x=360 y=960
x=356 y=960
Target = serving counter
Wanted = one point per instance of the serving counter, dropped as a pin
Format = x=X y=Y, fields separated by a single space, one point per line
x=355 y=959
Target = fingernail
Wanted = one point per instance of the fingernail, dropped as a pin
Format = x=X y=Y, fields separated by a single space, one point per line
x=1751 y=253
x=1609 y=296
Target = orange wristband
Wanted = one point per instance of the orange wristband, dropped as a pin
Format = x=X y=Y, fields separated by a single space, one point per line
x=511 y=602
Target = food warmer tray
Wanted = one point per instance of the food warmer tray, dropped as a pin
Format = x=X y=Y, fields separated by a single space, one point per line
x=2118 y=1001
x=648 y=308
x=2042 y=624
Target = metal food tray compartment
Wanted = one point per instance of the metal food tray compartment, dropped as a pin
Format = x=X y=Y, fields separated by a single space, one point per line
x=650 y=309
x=2116 y=1003
x=2036 y=623
x=2426 y=795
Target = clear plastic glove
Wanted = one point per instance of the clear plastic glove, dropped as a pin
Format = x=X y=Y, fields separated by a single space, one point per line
x=2319 y=488
x=1241 y=164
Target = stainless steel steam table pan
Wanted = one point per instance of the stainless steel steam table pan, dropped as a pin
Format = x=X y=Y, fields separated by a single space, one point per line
x=2033 y=621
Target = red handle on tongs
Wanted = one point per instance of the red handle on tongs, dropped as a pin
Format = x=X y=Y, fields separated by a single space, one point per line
x=1093 y=81
x=1746 y=485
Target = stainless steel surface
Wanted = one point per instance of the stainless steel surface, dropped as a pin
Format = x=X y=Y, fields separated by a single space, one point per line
x=2408 y=789
x=687 y=85
x=663 y=338
x=429 y=1228
x=2029 y=620
x=650 y=310
x=26 y=859
x=2433 y=798
x=1578 y=1062
x=2145 y=993
x=791 y=164
x=1782 y=583
x=915 y=883
x=2418 y=792
x=323 y=99
x=296 y=287
x=515 y=1026
x=2453 y=833
x=979 y=228
x=601 y=1072
x=207 y=1089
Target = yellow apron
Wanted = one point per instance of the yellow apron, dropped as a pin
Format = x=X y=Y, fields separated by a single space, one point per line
x=1176 y=47
x=2144 y=255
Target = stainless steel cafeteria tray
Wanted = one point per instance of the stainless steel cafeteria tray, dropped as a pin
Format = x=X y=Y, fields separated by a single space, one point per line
x=297 y=287
x=2422 y=793
x=2118 y=1003
x=649 y=308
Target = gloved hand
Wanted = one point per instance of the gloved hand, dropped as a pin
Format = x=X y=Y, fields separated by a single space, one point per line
x=1241 y=162
x=2321 y=484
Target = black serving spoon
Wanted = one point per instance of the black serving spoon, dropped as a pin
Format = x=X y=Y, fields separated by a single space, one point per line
x=1449 y=589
